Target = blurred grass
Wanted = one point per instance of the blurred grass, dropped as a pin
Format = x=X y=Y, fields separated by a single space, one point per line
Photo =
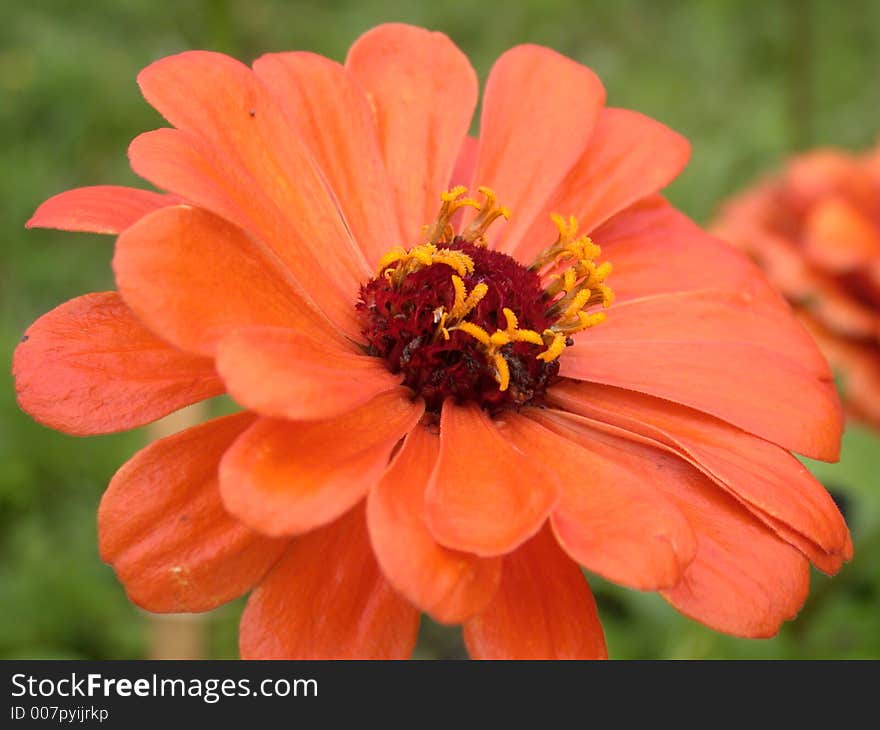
x=746 y=82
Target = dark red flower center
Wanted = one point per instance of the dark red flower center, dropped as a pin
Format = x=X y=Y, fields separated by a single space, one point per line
x=461 y=321
x=400 y=324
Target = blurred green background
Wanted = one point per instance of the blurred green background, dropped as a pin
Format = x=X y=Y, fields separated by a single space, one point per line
x=746 y=82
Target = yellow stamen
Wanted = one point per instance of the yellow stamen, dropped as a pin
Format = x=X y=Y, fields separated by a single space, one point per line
x=527 y=336
x=564 y=282
x=568 y=245
x=511 y=319
x=440 y=318
x=489 y=211
x=591 y=319
x=517 y=335
x=398 y=262
x=464 y=303
x=502 y=372
x=475 y=331
x=578 y=302
x=555 y=346
x=498 y=339
x=441 y=231
x=582 y=284
x=396 y=254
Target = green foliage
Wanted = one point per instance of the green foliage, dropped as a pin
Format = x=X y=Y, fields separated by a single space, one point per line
x=745 y=81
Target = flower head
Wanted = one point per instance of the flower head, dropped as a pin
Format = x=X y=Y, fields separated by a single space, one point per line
x=815 y=230
x=467 y=366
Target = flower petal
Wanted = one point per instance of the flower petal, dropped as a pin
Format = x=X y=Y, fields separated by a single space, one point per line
x=708 y=316
x=706 y=351
x=163 y=528
x=185 y=163
x=655 y=249
x=450 y=585
x=280 y=373
x=629 y=156
x=485 y=496
x=424 y=92
x=764 y=477
x=539 y=110
x=288 y=477
x=744 y=580
x=193 y=277
x=610 y=518
x=247 y=156
x=89 y=366
x=332 y=113
x=98 y=209
x=327 y=599
x=465 y=163
x=544 y=609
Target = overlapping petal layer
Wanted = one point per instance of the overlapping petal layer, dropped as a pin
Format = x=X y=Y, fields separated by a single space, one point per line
x=743 y=579
x=98 y=209
x=766 y=478
x=237 y=154
x=279 y=372
x=163 y=528
x=680 y=346
x=448 y=584
x=288 y=477
x=193 y=277
x=539 y=109
x=332 y=113
x=610 y=518
x=543 y=609
x=628 y=157
x=484 y=496
x=327 y=599
x=89 y=366
x=423 y=91
x=656 y=249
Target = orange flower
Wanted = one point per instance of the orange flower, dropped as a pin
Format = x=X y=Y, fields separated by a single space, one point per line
x=437 y=417
x=815 y=230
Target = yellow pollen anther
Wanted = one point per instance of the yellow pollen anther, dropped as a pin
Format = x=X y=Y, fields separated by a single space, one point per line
x=498 y=339
x=591 y=319
x=475 y=331
x=567 y=229
x=441 y=231
x=511 y=319
x=502 y=372
x=396 y=254
x=578 y=302
x=488 y=212
x=581 y=284
x=464 y=303
x=460 y=293
x=555 y=346
x=398 y=262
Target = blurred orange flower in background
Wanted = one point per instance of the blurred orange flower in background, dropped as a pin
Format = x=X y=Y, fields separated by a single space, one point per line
x=815 y=230
x=445 y=412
